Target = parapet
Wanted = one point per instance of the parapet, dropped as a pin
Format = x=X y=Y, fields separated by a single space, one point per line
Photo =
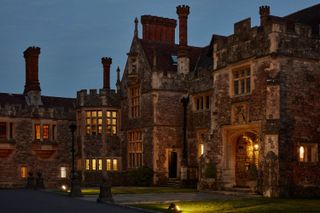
x=95 y=98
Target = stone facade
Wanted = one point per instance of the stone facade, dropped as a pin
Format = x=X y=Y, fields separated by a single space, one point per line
x=280 y=106
x=247 y=105
x=20 y=148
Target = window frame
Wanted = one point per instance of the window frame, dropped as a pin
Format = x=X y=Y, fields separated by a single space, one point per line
x=4 y=128
x=135 y=101
x=23 y=171
x=63 y=172
x=93 y=122
x=111 y=127
x=310 y=153
x=241 y=81
x=201 y=102
x=135 y=149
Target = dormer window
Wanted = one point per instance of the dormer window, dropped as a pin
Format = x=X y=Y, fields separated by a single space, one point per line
x=133 y=63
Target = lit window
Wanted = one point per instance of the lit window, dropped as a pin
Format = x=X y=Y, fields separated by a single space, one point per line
x=63 y=172
x=94 y=122
x=115 y=165
x=135 y=149
x=301 y=153
x=111 y=125
x=3 y=130
x=308 y=152
x=45 y=132
x=94 y=164
x=241 y=81
x=99 y=164
x=37 y=129
x=201 y=147
x=134 y=102
x=87 y=164
x=108 y=165
x=23 y=171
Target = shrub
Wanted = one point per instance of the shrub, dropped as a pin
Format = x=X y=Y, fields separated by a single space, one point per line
x=141 y=176
x=252 y=172
x=210 y=170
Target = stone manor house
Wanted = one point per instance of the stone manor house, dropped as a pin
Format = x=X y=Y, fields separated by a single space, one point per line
x=250 y=99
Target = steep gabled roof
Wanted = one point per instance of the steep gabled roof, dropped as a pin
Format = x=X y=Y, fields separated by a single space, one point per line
x=164 y=53
x=309 y=16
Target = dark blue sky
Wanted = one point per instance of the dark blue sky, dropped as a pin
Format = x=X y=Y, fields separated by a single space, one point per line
x=75 y=34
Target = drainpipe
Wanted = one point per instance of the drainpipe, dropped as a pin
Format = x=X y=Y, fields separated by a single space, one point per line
x=185 y=101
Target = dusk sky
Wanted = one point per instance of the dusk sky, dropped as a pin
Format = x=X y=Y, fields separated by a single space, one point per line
x=74 y=34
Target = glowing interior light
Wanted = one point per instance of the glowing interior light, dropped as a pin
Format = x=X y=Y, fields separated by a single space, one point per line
x=301 y=153
x=64 y=187
x=201 y=149
x=256 y=146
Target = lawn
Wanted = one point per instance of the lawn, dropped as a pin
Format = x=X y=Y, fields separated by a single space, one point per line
x=137 y=190
x=242 y=205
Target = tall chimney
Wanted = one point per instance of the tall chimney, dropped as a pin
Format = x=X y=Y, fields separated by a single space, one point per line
x=32 y=89
x=183 y=12
x=264 y=12
x=183 y=59
x=106 y=72
x=158 y=29
x=31 y=56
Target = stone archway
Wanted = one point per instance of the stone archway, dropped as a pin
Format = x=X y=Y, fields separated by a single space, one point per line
x=233 y=136
x=246 y=156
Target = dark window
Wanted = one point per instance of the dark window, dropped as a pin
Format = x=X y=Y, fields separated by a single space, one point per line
x=3 y=130
x=241 y=81
x=207 y=102
x=11 y=131
x=236 y=87
x=53 y=132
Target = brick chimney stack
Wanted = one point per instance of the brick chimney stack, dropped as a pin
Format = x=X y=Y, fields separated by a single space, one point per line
x=158 y=29
x=106 y=62
x=183 y=12
x=264 y=12
x=183 y=59
x=31 y=56
x=32 y=89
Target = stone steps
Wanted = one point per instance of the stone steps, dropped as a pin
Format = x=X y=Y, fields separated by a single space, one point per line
x=174 y=182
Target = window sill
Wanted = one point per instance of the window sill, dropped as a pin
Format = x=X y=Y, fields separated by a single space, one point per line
x=5 y=140
x=240 y=98
x=201 y=111
x=44 y=142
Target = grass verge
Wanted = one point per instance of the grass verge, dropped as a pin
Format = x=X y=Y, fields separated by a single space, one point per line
x=137 y=190
x=242 y=205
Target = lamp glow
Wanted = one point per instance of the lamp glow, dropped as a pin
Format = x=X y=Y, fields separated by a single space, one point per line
x=174 y=208
x=64 y=188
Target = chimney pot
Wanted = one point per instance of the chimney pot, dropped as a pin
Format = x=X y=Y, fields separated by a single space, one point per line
x=31 y=56
x=183 y=12
x=264 y=12
x=106 y=62
x=158 y=29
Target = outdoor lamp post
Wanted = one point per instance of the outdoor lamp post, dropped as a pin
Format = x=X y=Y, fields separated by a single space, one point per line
x=75 y=190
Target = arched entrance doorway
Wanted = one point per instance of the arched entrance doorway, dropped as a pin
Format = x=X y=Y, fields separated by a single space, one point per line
x=246 y=157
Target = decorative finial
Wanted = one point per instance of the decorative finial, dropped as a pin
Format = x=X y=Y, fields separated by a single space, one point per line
x=118 y=74
x=136 y=27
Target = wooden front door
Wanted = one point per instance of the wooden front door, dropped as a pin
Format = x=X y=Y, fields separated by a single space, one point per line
x=173 y=160
x=242 y=162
